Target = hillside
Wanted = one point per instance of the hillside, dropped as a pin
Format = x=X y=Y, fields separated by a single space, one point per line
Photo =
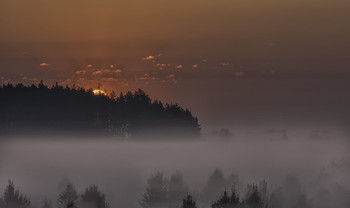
x=39 y=109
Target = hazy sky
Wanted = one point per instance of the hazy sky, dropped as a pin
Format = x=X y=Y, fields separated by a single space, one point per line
x=232 y=62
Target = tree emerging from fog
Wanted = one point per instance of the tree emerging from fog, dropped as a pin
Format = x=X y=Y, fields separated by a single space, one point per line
x=69 y=198
x=227 y=201
x=162 y=192
x=188 y=202
x=12 y=198
x=216 y=183
x=176 y=189
x=93 y=198
x=156 y=194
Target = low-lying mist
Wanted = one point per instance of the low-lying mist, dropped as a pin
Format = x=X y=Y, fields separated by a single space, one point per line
x=43 y=167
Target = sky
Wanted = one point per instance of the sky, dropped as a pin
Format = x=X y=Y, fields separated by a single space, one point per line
x=233 y=63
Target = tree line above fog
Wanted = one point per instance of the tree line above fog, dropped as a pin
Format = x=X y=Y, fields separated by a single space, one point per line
x=41 y=109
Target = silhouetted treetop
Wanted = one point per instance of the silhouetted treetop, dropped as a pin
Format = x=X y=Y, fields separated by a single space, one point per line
x=68 y=198
x=39 y=108
x=12 y=198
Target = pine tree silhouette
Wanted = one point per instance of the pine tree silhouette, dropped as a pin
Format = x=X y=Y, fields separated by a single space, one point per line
x=253 y=198
x=188 y=202
x=176 y=189
x=156 y=195
x=227 y=201
x=216 y=183
x=13 y=198
x=68 y=198
x=93 y=198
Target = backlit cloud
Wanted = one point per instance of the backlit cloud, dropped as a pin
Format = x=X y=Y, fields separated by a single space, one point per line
x=180 y=66
x=80 y=72
x=110 y=79
x=44 y=64
x=98 y=72
x=106 y=72
x=149 y=58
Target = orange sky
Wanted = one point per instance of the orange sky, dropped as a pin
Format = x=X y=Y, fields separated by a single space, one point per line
x=256 y=59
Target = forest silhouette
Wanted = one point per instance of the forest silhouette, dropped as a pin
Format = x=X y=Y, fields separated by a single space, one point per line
x=39 y=109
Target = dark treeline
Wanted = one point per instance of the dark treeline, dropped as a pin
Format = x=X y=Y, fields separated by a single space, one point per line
x=69 y=198
x=220 y=192
x=42 y=109
x=162 y=192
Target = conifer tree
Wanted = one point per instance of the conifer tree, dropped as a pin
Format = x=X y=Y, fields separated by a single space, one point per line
x=93 y=198
x=68 y=198
x=188 y=202
x=13 y=198
x=227 y=201
x=155 y=195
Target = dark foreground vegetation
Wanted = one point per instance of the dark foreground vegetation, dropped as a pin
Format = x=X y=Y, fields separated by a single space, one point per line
x=162 y=192
x=39 y=109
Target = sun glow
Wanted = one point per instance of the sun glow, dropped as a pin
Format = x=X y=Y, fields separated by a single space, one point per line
x=99 y=92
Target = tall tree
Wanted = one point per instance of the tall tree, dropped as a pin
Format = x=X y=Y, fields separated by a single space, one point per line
x=216 y=183
x=13 y=198
x=176 y=189
x=68 y=198
x=155 y=195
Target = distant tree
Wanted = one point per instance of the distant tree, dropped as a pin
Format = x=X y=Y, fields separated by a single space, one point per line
x=234 y=182
x=13 y=198
x=155 y=195
x=93 y=198
x=188 y=202
x=214 y=187
x=68 y=198
x=176 y=189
